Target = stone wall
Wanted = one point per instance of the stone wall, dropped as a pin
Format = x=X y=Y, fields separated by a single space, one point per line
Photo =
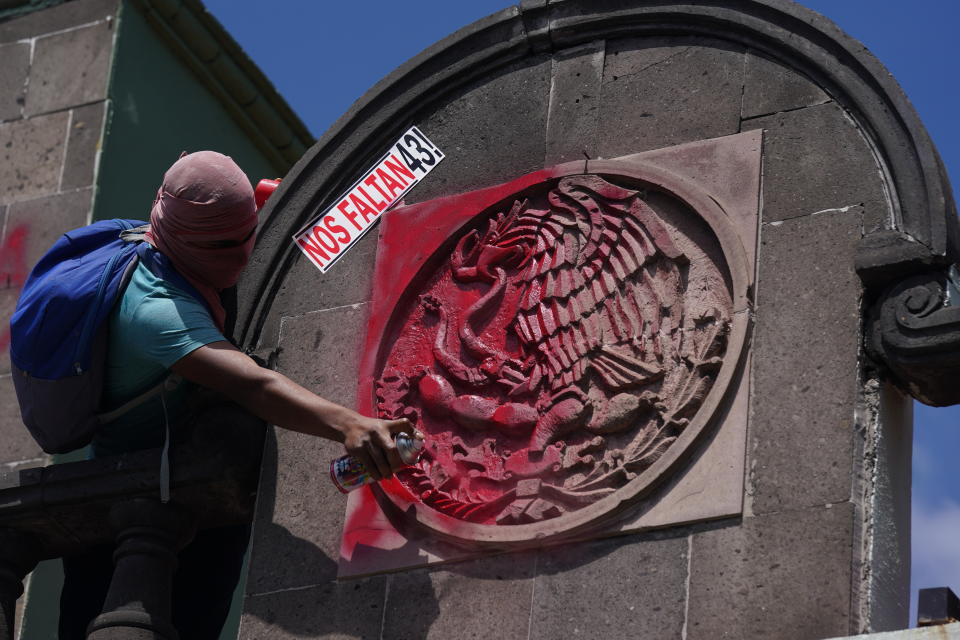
x=800 y=561
x=53 y=92
x=53 y=83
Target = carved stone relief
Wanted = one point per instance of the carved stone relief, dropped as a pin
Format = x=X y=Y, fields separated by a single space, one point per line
x=561 y=347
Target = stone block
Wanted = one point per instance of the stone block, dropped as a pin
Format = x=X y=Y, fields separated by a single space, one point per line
x=333 y=611
x=83 y=144
x=771 y=86
x=484 y=136
x=775 y=577
x=306 y=289
x=31 y=156
x=16 y=443
x=32 y=226
x=663 y=91
x=70 y=68
x=321 y=351
x=574 y=113
x=13 y=78
x=806 y=344
x=617 y=588
x=297 y=535
x=296 y=540
x=58 y=18
x=816 y=159
x=489 y=598
x=37 y=223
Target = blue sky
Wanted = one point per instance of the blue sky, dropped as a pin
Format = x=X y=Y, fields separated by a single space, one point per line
x=324 y=55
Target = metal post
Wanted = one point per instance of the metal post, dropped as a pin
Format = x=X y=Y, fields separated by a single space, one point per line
x=937 y=606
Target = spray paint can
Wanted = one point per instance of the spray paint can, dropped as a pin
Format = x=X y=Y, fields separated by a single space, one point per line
x=348 y=473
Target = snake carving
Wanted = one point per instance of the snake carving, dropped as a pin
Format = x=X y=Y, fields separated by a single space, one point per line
x=558 y=352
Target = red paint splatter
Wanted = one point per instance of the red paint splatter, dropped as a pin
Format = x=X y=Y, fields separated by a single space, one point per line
x=366 y=525
x=408 y=238
x=13 y=264
x=13 y=269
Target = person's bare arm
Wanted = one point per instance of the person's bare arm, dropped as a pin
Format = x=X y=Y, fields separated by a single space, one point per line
x=275 y=398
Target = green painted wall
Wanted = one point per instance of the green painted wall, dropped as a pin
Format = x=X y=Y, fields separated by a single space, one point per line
x=14 y=8
x=157 y=108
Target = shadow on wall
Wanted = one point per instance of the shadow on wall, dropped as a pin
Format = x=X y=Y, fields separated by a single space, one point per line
x=407 y=604
x=349 y=608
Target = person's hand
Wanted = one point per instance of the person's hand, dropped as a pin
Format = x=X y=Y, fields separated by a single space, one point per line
x=371 y=441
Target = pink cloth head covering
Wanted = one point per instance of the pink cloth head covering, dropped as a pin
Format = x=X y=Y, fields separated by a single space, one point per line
x=204 y=219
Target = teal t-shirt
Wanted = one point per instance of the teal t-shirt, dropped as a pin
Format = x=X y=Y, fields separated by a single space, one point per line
x=152 y=326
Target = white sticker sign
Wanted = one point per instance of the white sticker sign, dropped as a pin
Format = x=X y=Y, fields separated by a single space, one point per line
x=340 y=226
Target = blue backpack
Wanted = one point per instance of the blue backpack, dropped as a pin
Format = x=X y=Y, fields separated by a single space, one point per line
x=58 y=341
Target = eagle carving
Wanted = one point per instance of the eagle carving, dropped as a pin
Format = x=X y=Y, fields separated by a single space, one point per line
x=557 y=352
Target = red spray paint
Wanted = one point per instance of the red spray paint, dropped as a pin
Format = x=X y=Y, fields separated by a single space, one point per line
x=13 y=270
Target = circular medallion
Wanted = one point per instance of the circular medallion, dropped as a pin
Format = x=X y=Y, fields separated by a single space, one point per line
x=562 y=352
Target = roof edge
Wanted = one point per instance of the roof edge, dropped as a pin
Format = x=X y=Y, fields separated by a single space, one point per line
x=223 y=67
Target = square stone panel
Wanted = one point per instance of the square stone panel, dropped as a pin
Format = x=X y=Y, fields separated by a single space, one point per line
x=708 y=484
x=13 y=78
x=604 y=589
x=488 y=598
x=70 y=68
x=332 y=611
x=781 y=576
x=31 y=156
x=663 y=91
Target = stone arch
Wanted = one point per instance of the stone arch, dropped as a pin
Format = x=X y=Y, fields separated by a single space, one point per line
x=923 y=228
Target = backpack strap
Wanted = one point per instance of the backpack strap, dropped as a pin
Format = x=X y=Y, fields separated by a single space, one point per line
x=170 y=383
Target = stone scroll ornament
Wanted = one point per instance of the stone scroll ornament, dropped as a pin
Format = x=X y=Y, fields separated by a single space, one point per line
x=554 y=350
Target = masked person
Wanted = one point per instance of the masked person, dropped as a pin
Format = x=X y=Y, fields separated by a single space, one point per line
x=204 y=221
